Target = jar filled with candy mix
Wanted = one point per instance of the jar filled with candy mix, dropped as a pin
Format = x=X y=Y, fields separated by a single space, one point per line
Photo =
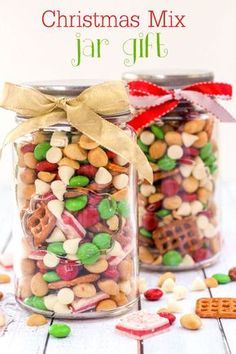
x=178 y=214
x=77 y=205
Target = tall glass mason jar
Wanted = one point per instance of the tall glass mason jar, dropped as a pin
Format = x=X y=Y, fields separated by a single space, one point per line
x=78 y=221
x=178 y=214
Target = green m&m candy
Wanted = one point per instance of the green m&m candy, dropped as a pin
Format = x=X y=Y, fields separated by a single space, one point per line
x=166 y=163
x=157 y=131
x=162 y=213
x=59 y=330
x=102 y=240
x=206 y=151
x=107 y=208
x=41 y=150
x=172 y=258
x=123 y=208
x=38 y=303
x=222 y=278
x=143 y=147
x=88 y=253
x=77 y=203
x=29 y=300
x=144 y=232
x=51 y=276
x=79 y=181
x=56 y=248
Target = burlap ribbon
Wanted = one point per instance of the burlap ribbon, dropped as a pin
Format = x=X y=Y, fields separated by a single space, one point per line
x=83 y=112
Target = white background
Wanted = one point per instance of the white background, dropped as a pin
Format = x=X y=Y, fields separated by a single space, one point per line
x=29 y=51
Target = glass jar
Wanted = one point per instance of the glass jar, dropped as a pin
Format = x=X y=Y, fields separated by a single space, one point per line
x=77 y=222
x=178 y=221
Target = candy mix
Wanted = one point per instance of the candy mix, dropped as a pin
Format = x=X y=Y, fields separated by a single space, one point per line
x=77 y=213
x=177 y=213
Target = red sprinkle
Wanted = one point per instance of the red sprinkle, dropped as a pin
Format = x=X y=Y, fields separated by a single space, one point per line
x=88 y=216
x=87 y=170
x=27 y=148
x=153 y=294
x=169 y=187
x=46 y=166
x=169 y=316
x=149 y=221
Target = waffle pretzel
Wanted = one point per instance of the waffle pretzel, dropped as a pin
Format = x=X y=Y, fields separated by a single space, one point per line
x=218 y=307
x=181 y=235
x=40 y=223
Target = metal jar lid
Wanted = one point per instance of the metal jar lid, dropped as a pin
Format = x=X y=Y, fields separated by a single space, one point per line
x=72 y=88
x=170 y=78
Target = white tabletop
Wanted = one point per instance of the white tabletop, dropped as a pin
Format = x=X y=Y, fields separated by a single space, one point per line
x=100 y=337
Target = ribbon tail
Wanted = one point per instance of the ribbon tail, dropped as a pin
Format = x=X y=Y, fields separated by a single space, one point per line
x=33 y=124
x=110 y=136
x=208 y=104
x=148 y=116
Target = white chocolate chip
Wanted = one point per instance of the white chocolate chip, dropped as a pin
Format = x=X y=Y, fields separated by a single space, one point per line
x=202 y=222
x=50 y=260
x=188 y=139
x=65 y=296
x=56 y=236
x=187 y=261
x=173 y=306
x=180 y=292
x=116 y=250
x=184 y=209
x=2 y=319
x=210 y=231
x=125 y=287
x=113 y=223
x=41 y=187
x=147 y=137
x=168 y=285
x=71 y=246
x=199 y=172
x=54 y=155
x=120 y=181
x=147 y=189
x=59 y=139
x=56 y=207
x=142 y=285
x=198 y=284
x=120 y=160
x=196 y=207
x=65 y=173
x=103 y=176
x=186 y=170
x=60 y=308
x=49 y=301
x=175 y=152
x=58 y=189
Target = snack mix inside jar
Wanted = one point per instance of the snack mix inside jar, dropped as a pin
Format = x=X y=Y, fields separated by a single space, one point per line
x=178 y=226
x=77 y=206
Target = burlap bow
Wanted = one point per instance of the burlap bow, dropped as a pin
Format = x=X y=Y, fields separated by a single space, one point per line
x=83 y=112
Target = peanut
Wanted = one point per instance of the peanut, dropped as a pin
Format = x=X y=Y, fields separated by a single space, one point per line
x=211 y=282
x=202 y=140
x=84 y=290
x=120 y=299
x=99 y=267
x=191 y=321
x=4 y=278
x=28 y=176
x=145 y=255
x=38 y=285
x=190 y=184
x=24 y=287
x=29 y=160
x=173 y=138
x=46 y=176
x=97 y=157
x=65 y=161
x=203 y=195
x=156 y=197
x=36 y=320
x=86 y=143
x=108 y=286
x=172 y=203
x=75 y=152
x=125 y=269
x=194 y=126
x=157 y=149
x=106 y=305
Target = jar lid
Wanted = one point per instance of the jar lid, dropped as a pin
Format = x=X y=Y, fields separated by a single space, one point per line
x=170 y=78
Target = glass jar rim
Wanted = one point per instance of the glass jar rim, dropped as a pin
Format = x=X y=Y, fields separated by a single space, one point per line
x=173 y=78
